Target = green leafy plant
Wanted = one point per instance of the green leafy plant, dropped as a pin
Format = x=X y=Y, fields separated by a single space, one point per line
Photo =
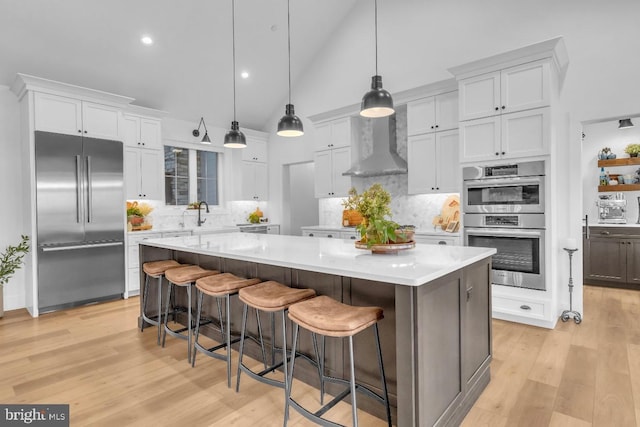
x=374 y=206
x=632 y=149
x=11 y=259
x=134 y=210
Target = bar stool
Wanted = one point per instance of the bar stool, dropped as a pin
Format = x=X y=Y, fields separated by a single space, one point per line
x=155 y=270
x=182 y=276
x=270 y=297
x=219 y=286
x=329 y=318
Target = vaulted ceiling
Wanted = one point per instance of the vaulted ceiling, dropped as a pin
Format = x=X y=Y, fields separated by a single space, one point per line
x=188 y=69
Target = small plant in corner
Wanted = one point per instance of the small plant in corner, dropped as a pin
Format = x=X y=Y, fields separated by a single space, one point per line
x=11 y=260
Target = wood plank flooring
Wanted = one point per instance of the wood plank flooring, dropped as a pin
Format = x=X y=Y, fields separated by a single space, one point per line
x=96 y=360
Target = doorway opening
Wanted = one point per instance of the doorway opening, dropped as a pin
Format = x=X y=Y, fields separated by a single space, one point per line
x=300 y=206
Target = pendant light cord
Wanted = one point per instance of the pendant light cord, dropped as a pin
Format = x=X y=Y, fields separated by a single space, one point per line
x=233 y=37
x=289 y=45
x=376 y=24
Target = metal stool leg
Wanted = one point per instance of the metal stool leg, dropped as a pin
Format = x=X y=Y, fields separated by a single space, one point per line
x=144 y=300
x=166 y=314
x=289 y=376
x=228 y=341
x=354 y=408
x=159 y=307
x=199 y=297
x=189 y=320
x=385 y=393
x=242 y=336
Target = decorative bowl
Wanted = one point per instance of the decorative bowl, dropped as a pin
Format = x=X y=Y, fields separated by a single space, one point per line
x=387 y=248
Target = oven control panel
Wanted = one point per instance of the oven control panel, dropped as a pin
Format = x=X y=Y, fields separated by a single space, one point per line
x=502 y=220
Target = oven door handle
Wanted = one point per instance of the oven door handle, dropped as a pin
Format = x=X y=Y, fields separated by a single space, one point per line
x=497 y=232
x=503 y=182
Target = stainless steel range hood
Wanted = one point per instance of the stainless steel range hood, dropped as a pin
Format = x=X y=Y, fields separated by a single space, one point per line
x=384 y=158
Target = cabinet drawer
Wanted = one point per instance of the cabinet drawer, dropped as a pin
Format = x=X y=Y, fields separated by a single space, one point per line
x=435 y=240
x=316 y=233
x=518 y=306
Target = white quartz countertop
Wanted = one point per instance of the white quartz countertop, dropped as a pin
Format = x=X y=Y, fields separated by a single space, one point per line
x=412 y=267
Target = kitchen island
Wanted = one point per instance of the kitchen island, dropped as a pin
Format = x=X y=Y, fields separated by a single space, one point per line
x=436 y=331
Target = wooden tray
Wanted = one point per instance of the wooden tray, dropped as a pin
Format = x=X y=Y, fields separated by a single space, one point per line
x=388 y=248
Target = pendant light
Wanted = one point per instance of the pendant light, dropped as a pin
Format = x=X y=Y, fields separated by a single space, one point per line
x=377 y=102
x=196 y=132
x=625 y=124
x=290 y=124
x=234 y=138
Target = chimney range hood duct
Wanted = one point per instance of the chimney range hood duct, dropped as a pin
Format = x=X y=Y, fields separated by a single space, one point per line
x=384 y=159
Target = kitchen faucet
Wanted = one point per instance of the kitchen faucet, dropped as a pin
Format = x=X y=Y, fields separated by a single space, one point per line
x=201 y=221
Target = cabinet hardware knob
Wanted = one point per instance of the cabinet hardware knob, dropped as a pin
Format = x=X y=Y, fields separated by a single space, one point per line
x=437 y=188
x=442 y=242
x=79 y=131
x=503 y=107
x=469 y=292
x=431 y=127
x=606 y=233
x=330 y=235
x=310 y=234
x=85 y=131
x=525 y=307
x=353 y=237
x=437 y=126
x=432 y=188
x=497 y=154
x=503 y=153
x=497 y=108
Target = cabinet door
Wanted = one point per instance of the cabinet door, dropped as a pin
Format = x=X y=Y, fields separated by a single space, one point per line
x=421 y=115
x=273 y=229
x=480 y=96
x=322 y=172
x=633 y=261
x=261 y=183
x=58 y=114
x=605 y=259
x=256 y=151
x=476 y=294
x=340 y=162
x=323 y=136
x=480 y=139
x=248 y=171
x=446 y=111
x=421 y=162
x=150 y=133
x=151 y=174
x=100 y=121
x=132 y=173
x=525 y=87
x=341 y=132
x=130 y=130
x=526 y=133
x=447 y=168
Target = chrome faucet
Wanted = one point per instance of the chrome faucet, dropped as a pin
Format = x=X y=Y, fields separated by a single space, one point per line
x=201 y=221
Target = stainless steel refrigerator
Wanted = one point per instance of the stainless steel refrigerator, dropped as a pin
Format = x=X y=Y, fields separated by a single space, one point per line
x=80 y=220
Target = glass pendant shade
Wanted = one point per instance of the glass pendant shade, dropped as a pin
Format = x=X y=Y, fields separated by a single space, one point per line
x=625 y=124
x=290 y=124
x=235 y=138
x=377 y=102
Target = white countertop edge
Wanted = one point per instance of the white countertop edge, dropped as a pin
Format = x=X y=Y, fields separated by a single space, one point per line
x=174 y=244
x=419 y=232
x=627 y=225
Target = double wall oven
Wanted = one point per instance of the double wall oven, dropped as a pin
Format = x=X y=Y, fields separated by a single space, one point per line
x=504 y=209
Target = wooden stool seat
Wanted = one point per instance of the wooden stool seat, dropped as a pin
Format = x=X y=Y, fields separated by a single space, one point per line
x=182 y=276
x=272 y=296
x=155 y=268
x=326 y=316
x=220 y=285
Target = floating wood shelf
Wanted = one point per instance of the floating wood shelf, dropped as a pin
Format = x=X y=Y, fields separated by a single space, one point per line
x=619 y=187
x=630 y=161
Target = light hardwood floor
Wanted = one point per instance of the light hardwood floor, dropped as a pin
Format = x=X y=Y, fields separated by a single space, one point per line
x=95 y=359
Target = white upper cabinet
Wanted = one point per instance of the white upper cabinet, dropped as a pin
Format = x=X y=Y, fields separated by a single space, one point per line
x=60 y=114
x=143 y=173
x=433 y=114
x=329 y=166
x=518 y=88
x=254 y=181
x=522 y=134
x=433 y=163
x=333 y=134
x=255 y=151
x=142 y=132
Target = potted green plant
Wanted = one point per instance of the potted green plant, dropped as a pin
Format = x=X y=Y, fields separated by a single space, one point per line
x=632 y=150
x=10 y=261
x=376 y=227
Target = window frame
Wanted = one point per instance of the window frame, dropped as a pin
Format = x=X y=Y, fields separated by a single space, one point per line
x=193 y=171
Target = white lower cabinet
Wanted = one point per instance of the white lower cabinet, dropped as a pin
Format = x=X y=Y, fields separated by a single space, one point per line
x=273 y=229
x=437 y=240
x=133 y=261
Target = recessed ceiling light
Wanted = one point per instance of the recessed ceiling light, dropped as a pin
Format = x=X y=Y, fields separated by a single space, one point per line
x=244 y=74
x=146 y=40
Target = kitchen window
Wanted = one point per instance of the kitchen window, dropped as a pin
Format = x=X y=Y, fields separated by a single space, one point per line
x=190 y=176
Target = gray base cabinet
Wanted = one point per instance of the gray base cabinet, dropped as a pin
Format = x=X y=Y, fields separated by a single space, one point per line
x=612 y=256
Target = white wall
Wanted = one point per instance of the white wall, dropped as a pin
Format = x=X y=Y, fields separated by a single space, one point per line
x=597 y=136
x=303 y=205
x=10 y=191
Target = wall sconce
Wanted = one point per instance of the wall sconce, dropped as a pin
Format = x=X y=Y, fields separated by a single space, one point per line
x=625 y=124
x=196 y=132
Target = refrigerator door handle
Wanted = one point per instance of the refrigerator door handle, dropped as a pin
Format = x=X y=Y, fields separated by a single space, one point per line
x=89 y=191
x=69 y=248
x=78 y=190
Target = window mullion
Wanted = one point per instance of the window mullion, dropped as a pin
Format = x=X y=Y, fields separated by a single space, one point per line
x=193 y=176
